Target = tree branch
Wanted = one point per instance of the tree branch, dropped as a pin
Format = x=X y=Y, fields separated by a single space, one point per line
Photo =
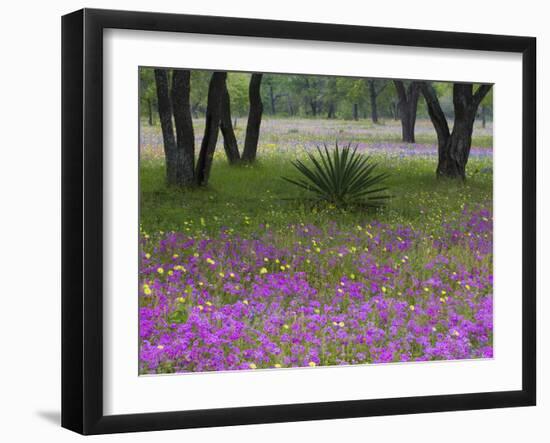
x=434 y=110
x=381 y=89
x=480 y=94
x=400 y=88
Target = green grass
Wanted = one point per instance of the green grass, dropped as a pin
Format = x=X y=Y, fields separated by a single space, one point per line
x=244 y=197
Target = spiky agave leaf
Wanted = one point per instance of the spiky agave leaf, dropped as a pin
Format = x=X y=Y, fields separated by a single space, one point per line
x=342 y=177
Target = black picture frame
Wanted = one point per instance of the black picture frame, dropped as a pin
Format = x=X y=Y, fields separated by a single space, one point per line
x=82 y=218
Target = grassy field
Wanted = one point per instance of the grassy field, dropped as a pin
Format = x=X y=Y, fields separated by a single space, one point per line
x=243 y=197
x=246 y=274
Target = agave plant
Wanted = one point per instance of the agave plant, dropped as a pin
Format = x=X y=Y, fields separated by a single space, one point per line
x=342 y=177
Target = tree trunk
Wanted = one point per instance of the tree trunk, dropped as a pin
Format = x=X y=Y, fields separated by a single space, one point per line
x=290 y=107
x=254 y=119
x=483 y=117
x=185 y=136
x=407 y=105
x=454 y=147
x=165 y=115
x=229 y=139
x=330 y=112
x=213 y=116
x=149 y=112
x=355 y=111
x=313 y=107
x=373 y=105
x=272 y=99
x=454 y=156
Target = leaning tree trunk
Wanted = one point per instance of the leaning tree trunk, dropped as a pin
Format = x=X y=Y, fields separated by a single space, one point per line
x=165 y=115
x=213 y=116
x=407 y=105
x=229 y=140
x=254 y=119
x=454 y=147
x=185 y=136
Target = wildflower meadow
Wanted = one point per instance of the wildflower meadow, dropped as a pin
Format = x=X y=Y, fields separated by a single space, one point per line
x=253 y=273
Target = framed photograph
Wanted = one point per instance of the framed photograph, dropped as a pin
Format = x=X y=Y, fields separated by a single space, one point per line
x=269 y=221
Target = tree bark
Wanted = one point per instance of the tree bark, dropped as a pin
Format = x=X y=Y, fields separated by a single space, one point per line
x=165 y=115
x=407 y=105
x=185 y=136
x=454 y=147
x=373 y=104
x=149 y=112
x=213 y=116
x=254 y=119
x=313 y=107
x=331 y=110
x=229 y=140
x=355 y=111
x=272 y=98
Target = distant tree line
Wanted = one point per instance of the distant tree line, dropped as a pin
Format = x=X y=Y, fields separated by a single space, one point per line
x=178 y=96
